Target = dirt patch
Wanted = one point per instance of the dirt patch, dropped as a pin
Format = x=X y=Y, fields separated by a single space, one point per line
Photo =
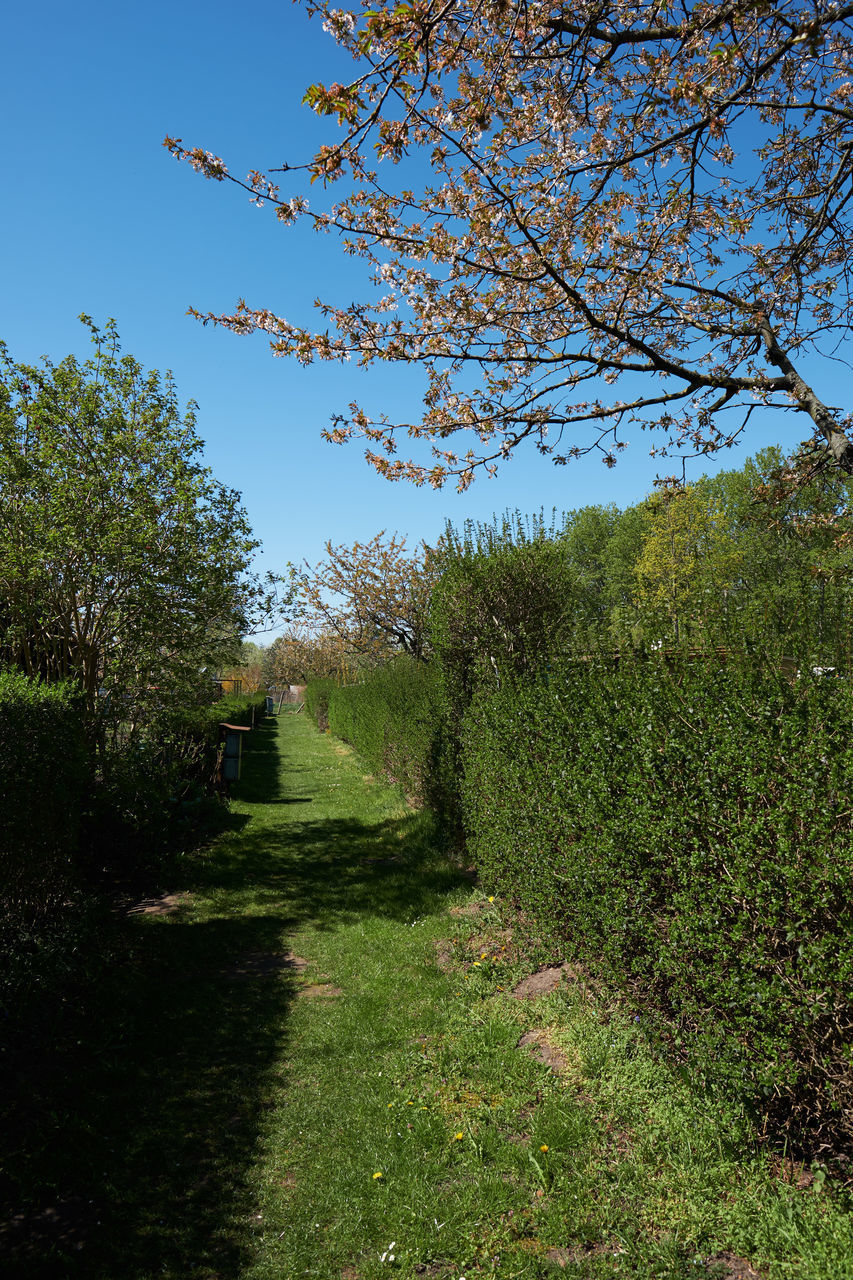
x=164 y=905
x=562 y=1257
x=543 y=981
x=469 y=909
x=320 y=991
x=538 y=1046
x=287 y=1180
x=728 y=1266
x=495 y=943
x=444 y=954
x=792 y=1172
x=265 y=964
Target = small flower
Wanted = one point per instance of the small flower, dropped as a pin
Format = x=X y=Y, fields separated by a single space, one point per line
x=458 y=1137
x=544 y=1147
x=491 y=899
x=378 y=1175
x=390 y=1104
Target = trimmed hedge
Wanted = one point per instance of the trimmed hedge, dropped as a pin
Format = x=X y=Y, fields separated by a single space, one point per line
x=393 y=718
x=686 y=830
x=317 y=694
x=44 y=782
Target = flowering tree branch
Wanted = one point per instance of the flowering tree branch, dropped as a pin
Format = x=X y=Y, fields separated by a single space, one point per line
x=602 y=194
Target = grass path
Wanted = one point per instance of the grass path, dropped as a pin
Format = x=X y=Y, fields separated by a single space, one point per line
x=313 y=1065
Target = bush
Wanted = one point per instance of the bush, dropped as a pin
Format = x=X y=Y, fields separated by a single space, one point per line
x=44 y=771
x=685 y=829
x=317 y=693
x=157 y=790
x=393 y=718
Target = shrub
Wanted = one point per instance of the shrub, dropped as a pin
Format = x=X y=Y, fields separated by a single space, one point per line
x=393 y=718
x=686 y=830
x=146 y=791
x=317 y=693
x=44 y=770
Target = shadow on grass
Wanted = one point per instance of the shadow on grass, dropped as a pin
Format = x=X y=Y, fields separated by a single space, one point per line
x=134 y=1130
x=136 y=1114
x=329 y=871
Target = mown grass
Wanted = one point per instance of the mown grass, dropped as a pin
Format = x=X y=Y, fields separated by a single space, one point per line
x=313 y=1016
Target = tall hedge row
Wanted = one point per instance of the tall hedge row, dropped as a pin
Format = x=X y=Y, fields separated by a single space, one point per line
x=393 y=717
x=80 y=808
x=44 y=784
x=686 y=830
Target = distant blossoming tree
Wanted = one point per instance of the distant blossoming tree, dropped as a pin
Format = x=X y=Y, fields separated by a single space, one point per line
x=374 y=596
x=643 y=195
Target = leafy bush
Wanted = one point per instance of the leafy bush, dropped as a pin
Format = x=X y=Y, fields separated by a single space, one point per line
x=685 y=829
x=393 y=718
x=44 y=769
x=317 y=694
x=44 y=775
x=150 y=792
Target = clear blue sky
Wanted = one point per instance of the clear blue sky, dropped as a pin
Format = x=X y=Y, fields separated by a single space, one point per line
x=96 y=216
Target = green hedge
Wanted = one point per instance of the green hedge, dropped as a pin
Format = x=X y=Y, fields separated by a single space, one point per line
x=687 y=832
x=158 y=793
x=393 y=718
x=317 y=694
x=44 y=778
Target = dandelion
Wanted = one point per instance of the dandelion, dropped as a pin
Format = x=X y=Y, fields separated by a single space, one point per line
x=378 y=1175
x=458 y=1137
x=390 y=1104
x=491 y=899
x=544 y=1147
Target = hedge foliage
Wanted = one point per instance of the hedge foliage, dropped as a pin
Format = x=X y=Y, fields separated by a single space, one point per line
x=317 y=695
x=612 y=722
x=83 y=808
x=394 y=719
x=44 y=781
x=685 y=828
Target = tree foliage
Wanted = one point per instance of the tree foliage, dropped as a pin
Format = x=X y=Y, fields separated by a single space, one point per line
x=650 y=196
x=124 y=565
x=304 y=654
x=373 y=596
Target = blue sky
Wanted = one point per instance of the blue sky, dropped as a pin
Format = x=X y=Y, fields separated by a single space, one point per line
x=97 y=217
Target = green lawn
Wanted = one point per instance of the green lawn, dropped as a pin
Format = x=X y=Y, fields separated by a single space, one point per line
x=312 y=1065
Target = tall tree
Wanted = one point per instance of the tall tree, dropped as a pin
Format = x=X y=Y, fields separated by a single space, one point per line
x=373 y=595
x=304 y=654
x=649 y=193
x=124 y=564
